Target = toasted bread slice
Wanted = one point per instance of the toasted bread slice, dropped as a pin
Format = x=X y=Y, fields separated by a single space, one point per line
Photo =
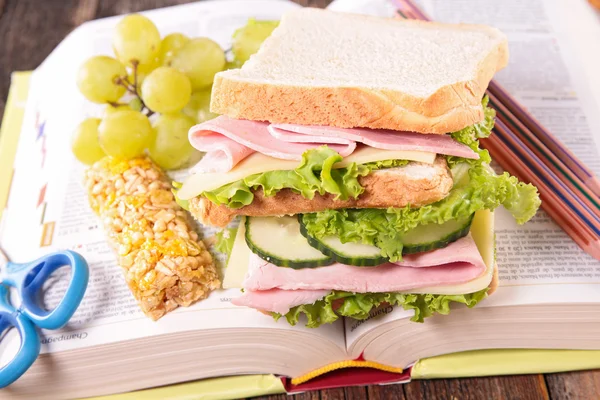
x=325 y=68
x=416 y=184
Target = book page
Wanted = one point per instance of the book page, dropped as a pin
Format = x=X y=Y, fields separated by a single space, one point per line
x=538 y=262
x=48 y=205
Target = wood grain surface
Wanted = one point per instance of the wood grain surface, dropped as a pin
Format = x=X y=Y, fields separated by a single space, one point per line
x=30 y=29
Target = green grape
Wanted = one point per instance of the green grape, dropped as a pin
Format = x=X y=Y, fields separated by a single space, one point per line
x=171 y=148
x=166 y=90
x=198 y=107
x=200 y=59
x=109 y=109
x=169 y=45
x=125 y=134
x=136 y=104
x=84 y=143
x=136 y=38
x=96 y=79
x=248 y=39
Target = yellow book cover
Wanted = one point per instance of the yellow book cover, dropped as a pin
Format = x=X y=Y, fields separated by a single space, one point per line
x=504 y=362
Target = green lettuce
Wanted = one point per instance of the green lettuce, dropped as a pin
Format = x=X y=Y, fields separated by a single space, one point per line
x=224 y=241
x=470 y=136
x=315 y=174
x=477 y=188
x=185 y=204
x=359 y=305
x=385 y=164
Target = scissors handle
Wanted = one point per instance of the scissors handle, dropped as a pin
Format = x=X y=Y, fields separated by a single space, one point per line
x=30 y=277
x=30 y=342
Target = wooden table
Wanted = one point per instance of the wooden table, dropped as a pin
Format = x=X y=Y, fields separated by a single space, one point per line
x=30 y=29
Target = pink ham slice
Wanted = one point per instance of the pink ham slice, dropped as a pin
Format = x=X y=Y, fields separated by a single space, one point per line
x=279 y=301
x=380 y=138
x=254 y=136
x=222 y=153
x=292 y=137
x=457 y=263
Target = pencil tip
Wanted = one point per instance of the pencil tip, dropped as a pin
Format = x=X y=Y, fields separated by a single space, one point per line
x=593 y=248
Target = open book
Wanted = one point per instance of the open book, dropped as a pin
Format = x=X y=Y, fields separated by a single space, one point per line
x=549 y=294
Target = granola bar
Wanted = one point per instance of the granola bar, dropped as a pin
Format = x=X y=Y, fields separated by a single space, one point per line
x=164 y=262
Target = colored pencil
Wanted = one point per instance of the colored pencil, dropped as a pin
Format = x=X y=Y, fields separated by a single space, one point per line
x=555 y=164
x=538 y=171
x=584 y=174
x=563 y=216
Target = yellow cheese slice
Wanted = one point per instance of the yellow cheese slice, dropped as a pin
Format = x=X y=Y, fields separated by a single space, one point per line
x=365 y=154
x=237 y=266
x=258 y=163
x=255 y=163
x=482 y=230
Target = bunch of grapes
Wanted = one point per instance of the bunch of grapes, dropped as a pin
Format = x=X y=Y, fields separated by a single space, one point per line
x=154 y=90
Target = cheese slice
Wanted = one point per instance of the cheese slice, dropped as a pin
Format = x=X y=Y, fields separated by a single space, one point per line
x=482 y=230
x=237 y=266
x=255 y=163
x=366 y=154
x=258 y=163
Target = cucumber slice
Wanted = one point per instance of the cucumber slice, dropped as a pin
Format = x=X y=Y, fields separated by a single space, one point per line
x=278 y=240
x=418 y=240
x=357 y=254
x=433 y=236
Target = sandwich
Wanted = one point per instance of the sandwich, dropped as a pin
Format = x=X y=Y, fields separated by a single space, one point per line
x=348 y=149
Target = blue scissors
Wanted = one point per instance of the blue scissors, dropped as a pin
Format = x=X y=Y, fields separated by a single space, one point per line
x=28 y=279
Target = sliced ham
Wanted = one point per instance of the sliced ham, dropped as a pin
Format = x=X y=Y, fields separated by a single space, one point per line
x=222 y=153
x=462 y=250
x=457 y=263
x=277 y=289
x=378 y=138
x=253 y=135
x=227 y=141
x=292 y=137
x=279 y=301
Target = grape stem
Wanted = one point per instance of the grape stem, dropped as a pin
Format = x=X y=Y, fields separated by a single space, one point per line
x=135 y=64
x=128 y=85
x=133 y=88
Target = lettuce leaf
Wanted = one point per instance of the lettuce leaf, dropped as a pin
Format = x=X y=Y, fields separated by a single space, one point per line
x=359 y=305
x=224 y=241
x=469 y=136
x=385 y=164
x=185 y=204
x=478 y=188
x=315 y=174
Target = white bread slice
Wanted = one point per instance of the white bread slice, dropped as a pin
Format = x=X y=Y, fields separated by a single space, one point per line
x=325 y=68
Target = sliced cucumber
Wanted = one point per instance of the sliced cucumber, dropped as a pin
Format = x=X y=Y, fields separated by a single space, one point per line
x=357 y=254
x=278 y=240
x=433 y=236
x=418 y=240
